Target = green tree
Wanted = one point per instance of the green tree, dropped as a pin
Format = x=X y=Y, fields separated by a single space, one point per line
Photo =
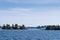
x=13 y=27
x=3 y=27
x=22 y=27
x=38 y=27
x=16 y=26
x=8 y=26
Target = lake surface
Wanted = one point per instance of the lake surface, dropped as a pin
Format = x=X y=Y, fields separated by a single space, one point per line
x=31 y=34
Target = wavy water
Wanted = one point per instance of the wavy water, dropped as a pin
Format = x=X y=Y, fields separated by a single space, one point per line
x=29 y=35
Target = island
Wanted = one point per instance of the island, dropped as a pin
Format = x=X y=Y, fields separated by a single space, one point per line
x=21 y=27
x=13 y=26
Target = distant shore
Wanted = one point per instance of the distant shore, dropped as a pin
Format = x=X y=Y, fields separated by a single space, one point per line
x=22 y=27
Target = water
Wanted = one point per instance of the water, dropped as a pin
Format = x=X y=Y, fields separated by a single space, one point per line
x=31 y=34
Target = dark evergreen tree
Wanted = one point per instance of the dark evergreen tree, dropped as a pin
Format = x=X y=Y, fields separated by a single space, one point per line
x=16 y=26
x=38 y=27
x=13 y=26
x=3 y=27
x=8 y=26
x=22 y=27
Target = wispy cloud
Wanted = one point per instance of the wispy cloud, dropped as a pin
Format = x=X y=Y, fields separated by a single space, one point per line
x=29 y=16
x=31 y=1
x=30 y=12
x=34 y=1
x=29 y=4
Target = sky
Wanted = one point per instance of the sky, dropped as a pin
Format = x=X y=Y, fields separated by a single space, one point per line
x=30 y=12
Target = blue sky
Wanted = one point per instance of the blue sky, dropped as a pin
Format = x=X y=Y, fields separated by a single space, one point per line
x=30 y=12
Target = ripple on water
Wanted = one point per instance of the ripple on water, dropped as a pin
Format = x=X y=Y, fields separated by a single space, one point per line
x=29 y=35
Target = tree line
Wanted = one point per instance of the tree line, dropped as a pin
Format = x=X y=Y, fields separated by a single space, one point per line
x=53 y=27
x=50 y=27
x=16 y=26
x=13 y=26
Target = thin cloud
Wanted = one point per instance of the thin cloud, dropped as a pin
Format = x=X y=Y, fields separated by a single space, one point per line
x=32 y=1
x=29 y=16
